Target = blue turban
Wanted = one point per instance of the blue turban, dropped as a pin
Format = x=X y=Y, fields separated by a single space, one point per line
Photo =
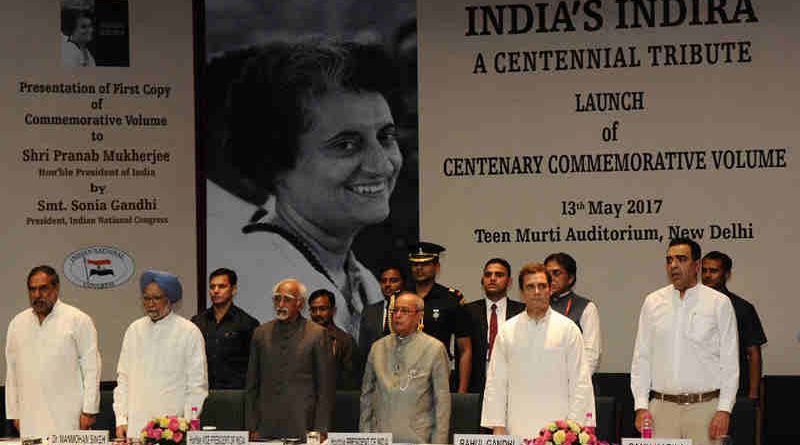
x=168 y=282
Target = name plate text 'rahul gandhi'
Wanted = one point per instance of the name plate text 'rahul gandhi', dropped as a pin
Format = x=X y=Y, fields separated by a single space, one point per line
x=485 y=439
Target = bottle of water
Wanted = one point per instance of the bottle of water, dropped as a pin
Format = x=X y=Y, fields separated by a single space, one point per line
x=194 y=422
x=588 y=423
x=647 y=427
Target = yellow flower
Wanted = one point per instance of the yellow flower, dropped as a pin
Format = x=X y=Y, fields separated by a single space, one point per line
x=583 y=438
x=552 y=426
x=573 y=426
x=163 y=422
x=143 y=435
x=559 y=436
x=184 y=424
x=166 y=434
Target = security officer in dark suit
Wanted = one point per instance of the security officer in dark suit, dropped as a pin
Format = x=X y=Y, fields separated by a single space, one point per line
x=375 y=320
x=445 y=315
x=487 y=315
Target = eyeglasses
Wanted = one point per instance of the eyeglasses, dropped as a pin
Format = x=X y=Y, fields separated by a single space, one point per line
x=149 y=299
x=403 y=311
x=283 y=298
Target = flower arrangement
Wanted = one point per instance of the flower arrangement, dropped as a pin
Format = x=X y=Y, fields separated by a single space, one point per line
x=166 y=430
x=564 y=432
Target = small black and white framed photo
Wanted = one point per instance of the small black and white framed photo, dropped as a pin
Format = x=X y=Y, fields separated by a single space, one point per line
x=95 y=33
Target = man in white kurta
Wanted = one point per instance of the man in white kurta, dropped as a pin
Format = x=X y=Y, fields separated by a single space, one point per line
x=536 y=372
x=162 y=364
x=52 y=362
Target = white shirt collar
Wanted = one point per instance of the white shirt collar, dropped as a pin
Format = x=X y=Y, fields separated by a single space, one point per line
x=689 y=291
x=501 y=303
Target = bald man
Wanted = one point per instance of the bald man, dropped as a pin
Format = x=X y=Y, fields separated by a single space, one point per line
x=406 y=381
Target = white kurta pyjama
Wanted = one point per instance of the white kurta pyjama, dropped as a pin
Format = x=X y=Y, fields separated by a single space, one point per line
x=161 y=371
x=52 y=370
x=536 y=375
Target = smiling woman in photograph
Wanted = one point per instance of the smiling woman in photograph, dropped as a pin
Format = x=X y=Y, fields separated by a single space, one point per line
x=310 y=124
x=77 y=29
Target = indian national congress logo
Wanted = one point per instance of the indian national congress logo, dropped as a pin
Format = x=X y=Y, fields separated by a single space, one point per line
x=98 y=267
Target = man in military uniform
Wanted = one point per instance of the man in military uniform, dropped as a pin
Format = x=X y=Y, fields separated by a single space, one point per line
x=445 y=316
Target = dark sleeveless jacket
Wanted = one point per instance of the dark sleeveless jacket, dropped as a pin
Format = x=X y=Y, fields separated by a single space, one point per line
x=571 y=305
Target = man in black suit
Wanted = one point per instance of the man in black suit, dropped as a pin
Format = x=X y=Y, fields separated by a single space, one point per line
x=495 y=306
x=374 y=319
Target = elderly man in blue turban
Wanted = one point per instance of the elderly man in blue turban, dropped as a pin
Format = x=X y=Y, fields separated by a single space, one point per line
x=162 y=364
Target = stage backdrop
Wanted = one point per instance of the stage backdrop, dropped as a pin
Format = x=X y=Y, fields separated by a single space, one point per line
x=98 y=159
x=604 y=128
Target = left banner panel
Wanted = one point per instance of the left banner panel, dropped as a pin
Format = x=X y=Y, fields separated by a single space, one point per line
x=98 y=156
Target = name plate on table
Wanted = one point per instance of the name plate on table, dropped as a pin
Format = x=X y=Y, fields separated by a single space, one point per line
x=659 y=441
x=485 y=439
x=359 y=438
x=81 y=437
x=217 y=438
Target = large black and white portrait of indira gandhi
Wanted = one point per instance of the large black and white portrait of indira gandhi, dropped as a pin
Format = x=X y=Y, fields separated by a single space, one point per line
x=305 y=158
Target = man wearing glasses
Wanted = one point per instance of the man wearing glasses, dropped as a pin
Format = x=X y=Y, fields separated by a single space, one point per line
x=291 y=375
x=162 y=364
x=406 y=388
